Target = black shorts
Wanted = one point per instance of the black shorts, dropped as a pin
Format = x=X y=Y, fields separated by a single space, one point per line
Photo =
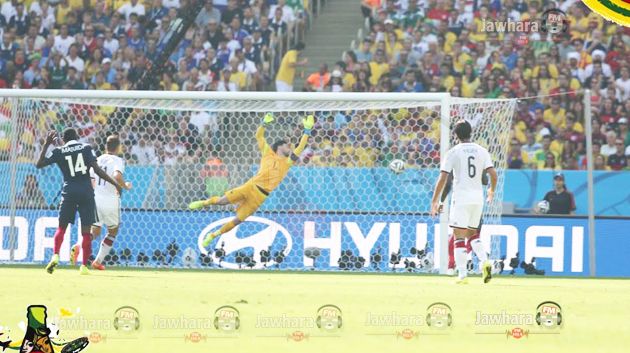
x=84 y=203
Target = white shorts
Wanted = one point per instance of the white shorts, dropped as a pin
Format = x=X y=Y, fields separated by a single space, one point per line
x=282 y=86
x=464 y=216
x=108 y=211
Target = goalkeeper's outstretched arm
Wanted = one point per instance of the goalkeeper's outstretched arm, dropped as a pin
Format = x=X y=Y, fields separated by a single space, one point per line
x=308 y=123
x=260 y=132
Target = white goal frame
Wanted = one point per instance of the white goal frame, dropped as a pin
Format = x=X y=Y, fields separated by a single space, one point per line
x=444 y=99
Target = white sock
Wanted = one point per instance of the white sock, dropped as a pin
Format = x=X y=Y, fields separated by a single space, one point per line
x=461 y=259
x=477 y=247
x=103 y=250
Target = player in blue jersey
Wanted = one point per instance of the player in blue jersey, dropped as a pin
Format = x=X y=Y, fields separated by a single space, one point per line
x=75 y=160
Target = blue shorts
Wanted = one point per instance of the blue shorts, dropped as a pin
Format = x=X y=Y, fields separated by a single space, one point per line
x=83 y=203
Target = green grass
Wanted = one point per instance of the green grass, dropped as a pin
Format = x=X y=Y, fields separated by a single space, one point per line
x=596 y=311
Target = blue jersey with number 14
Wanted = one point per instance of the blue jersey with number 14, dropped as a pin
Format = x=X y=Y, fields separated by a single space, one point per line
x=74 y=159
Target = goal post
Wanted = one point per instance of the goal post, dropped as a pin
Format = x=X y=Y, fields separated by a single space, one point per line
x=339 y=207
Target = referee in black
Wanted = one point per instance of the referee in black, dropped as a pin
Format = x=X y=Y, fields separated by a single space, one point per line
x=561 y=200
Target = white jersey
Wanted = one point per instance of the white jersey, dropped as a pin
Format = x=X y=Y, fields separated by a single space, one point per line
x=110 y=164
x=467 y=161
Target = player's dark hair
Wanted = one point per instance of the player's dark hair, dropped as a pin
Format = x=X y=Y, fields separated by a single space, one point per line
x=70 y=134
x=277 y=144
x=463 y=130
x=113 y=141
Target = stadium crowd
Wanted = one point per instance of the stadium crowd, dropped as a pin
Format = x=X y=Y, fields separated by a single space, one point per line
x=423 y=46
x=444 y=46
x=81 y=44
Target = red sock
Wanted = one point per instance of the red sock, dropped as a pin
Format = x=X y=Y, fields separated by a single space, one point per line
x=451 y=252
x=470 y=241
x=86 y=244
x=58 y=239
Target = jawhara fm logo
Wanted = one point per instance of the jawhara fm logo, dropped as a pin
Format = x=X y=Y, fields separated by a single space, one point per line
x=549 y=315
x=439 y=316
x=126 y=319
x=329 y=318
x=227 y=319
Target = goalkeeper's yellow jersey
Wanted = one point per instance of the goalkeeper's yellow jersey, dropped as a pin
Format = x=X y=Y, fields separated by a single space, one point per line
x=273 y=168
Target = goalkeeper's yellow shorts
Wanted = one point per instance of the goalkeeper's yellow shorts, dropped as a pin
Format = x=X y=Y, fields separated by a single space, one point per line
x=248 y=197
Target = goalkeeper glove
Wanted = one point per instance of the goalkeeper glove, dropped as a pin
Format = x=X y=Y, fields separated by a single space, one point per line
x=308 y=123
x=268 y=119
x=195 y=205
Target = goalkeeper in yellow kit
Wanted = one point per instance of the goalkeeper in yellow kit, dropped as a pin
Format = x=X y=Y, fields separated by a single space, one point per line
x=274 y=166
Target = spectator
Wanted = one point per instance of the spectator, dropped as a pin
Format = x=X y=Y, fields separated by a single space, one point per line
x=561 y=200
x=288 y=16
x=364 y=54
x=555 y=115
x=247 y=67
x=541 y=156
x=410 y=84
x=531 y=146
x=286 y=71
x=207 y=13
x=550 y=162
x=249 y=23
x=226 y=83
x=378 y=67
x=21 y=21
x=278 y=23
x=600 y=162
x=132 y=7
x=174 y=151
x=74 y=60
x=617 y=160
x=624 y=133
x=63 y=40
x=610 y=147
x=336 y=81
x=143 y=153
x=31 y=196
x=517 y=159
x=318 y=81
x=73 y=80
x=233 y=10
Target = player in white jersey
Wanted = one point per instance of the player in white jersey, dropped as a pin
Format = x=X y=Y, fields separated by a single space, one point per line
x=467 y=161
x=107 y=200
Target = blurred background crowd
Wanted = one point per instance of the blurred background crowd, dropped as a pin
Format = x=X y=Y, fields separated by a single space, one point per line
x=405 y=46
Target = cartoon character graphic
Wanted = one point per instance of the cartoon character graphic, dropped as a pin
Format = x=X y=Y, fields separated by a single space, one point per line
x=39 y=335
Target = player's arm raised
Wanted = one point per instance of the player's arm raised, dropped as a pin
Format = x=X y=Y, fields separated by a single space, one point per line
x=42 y=161
x=260 y=132
x=308 y=122
x=103 y=175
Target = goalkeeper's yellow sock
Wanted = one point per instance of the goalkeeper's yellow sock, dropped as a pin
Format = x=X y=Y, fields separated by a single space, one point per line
x=224 y=229
x=212 y=201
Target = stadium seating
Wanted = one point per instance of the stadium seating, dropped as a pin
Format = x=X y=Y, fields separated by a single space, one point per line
x=435 y=46
x=444 y=47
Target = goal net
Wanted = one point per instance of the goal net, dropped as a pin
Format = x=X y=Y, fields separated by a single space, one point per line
x=339 y=208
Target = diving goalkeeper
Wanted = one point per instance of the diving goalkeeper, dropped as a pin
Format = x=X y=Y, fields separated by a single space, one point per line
x=274 y=166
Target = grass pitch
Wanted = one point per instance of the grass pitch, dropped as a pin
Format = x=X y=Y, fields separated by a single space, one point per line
x=277 y=311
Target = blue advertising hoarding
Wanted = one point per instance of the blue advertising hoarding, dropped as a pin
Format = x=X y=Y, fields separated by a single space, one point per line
x=357 y=189
x=560 y=245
